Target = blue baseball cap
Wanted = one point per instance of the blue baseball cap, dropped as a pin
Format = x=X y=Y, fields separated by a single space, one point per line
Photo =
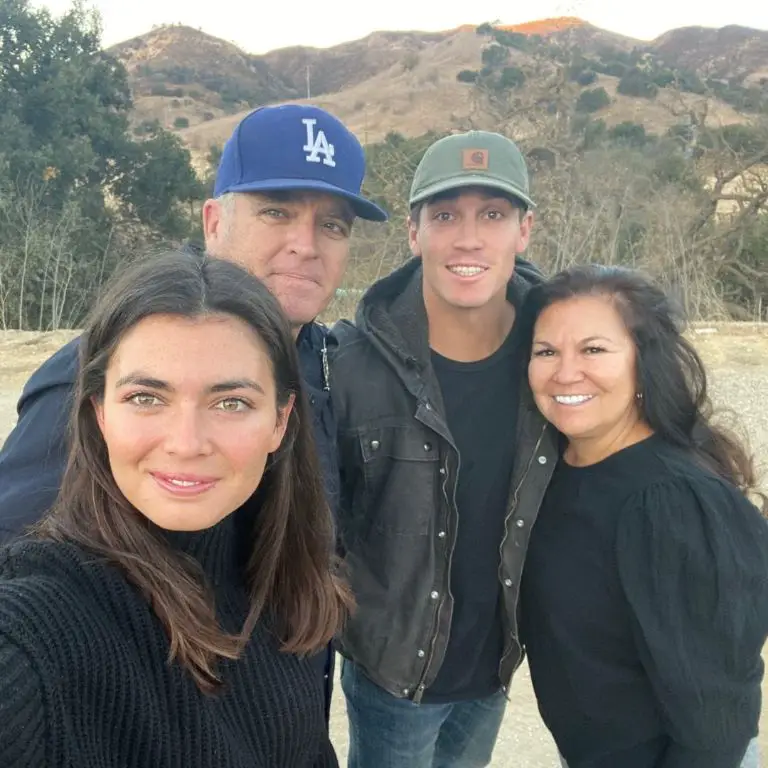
x=295 y=146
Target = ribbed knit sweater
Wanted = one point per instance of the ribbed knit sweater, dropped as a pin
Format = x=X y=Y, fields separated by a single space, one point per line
x=85 y=679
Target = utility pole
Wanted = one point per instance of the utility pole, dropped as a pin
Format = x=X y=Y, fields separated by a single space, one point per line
x=309 y=93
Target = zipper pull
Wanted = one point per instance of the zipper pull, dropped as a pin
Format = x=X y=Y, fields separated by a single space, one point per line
x=326 y=369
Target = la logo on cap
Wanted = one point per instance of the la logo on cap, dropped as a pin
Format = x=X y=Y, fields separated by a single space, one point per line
x=318 y=144
x=475 y=160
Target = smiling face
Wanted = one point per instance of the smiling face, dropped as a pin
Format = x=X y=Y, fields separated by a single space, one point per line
x=188 y=440
x=583 y=372
x=297 y=243
x=468 y=241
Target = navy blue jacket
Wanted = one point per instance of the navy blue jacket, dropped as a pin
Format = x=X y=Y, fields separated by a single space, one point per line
x=33 y=458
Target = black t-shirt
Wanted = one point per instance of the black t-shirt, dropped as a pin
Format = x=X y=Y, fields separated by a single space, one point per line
x=481 y=400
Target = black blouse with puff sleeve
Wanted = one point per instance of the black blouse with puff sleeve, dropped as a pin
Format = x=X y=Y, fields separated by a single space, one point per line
x=644 y=612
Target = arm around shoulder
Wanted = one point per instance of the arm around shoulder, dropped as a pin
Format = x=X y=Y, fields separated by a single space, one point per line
x=693 y=563
x=33 y=458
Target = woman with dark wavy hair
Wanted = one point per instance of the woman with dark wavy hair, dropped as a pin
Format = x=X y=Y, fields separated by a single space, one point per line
x=163 y=614
x=645 y=591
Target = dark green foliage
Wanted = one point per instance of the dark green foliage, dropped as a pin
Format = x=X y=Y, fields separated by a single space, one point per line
x=512 y=77
x=159 y=175
x=495 y=55
x=587 y=77
x=637 y=83
x=65 y=148
x=614 y=68
x=512 y=39
x=467 y=76
x=593 y=100
x=664 y=77
x=629 y=133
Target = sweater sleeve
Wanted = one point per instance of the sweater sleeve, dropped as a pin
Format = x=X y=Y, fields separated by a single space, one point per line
x=22 y=718
x=692 y=556
x=327 y=757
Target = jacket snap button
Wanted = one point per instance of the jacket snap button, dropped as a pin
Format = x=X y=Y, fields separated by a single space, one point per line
x=427 y=446
x=520 y=523
x=441 y=535
x=542 y=459
x=421 y=654
x=375 y=445
x=434 y=595
x=507 y=582
x=406 y=691
x=442 y=470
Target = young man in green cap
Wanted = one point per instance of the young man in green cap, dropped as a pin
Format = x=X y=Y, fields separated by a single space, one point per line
x=445 y=460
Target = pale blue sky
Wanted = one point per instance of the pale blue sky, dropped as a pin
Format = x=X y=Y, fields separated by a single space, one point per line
x=258 y=27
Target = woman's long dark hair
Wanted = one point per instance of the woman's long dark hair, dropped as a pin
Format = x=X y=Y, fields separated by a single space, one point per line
x=290 y=572
x=670 y=373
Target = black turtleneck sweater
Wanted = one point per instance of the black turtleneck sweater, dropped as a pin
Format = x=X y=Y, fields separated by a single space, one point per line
x=85 y=679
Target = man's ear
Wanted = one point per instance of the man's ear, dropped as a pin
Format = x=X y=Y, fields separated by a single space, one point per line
x=526 y=225
x=213 y=227
x=413 y=237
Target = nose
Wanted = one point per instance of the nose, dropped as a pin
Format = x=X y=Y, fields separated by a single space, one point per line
x=302 y=236
x=568 y=369
x=186 y=433
x=468 y=235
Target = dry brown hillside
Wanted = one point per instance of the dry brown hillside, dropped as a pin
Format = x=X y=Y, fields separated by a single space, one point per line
x=726 y=53
x=406 y=81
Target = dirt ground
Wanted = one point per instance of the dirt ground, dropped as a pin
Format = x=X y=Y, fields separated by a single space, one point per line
x=737 y=359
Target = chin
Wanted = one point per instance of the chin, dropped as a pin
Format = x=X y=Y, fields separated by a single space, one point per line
x=571 y=428
x=302 y=312
x=194 y=525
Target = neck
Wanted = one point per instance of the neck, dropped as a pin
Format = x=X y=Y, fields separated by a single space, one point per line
x=581 y=452
x=467 y=335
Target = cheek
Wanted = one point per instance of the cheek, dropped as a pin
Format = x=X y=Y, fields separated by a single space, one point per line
x=335 y=257
x=254 y=248
x=538 y=374
x=129 y=438
x=247 y=446
x=618 y=379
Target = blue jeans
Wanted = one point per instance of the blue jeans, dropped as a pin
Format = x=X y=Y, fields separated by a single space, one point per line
x=752 y=757
x=387 y=732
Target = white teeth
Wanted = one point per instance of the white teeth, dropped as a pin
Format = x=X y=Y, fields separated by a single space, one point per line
x=184 y=483
x=466 y=271
x=572 y=399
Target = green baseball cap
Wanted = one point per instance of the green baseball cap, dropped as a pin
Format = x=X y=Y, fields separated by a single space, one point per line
x=472 y=159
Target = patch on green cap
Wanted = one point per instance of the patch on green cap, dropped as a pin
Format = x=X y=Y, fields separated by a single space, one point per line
x=476 y=158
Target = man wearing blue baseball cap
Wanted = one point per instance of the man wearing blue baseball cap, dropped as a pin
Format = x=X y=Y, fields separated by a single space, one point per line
x=287 y=192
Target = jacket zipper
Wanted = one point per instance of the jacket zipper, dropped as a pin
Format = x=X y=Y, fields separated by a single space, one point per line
x=512 y=509
x=420 y=685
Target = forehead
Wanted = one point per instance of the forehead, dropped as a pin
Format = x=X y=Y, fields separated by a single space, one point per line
x=192 y=349
x=582 y=316
x=296 y=198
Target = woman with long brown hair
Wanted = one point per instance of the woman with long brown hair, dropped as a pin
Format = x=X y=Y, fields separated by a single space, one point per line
x=164 y=612
x=645 y=591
